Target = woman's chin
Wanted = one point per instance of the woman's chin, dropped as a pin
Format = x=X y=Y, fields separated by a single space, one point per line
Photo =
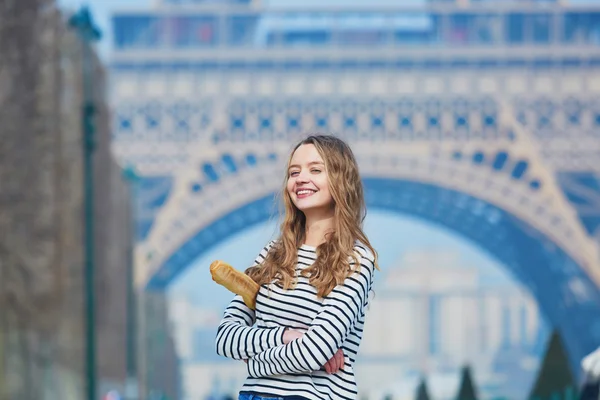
x=313 y=208
x=304 y=208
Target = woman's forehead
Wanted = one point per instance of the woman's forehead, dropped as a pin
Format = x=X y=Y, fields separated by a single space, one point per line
x=305 y=154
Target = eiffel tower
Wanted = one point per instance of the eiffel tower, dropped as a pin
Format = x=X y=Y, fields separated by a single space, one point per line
x=481 y=116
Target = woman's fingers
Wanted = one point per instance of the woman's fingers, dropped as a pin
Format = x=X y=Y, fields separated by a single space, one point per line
x=339 y=355
x=328 y=366
x=335 y=363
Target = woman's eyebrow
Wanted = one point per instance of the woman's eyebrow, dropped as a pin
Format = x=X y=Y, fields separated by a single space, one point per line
x=310 y=163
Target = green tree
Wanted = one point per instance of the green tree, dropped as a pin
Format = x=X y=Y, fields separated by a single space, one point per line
x=466 y=390
x=554 y=376
x=422 y=391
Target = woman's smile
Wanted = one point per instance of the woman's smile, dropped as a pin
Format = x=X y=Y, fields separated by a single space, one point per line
x=304 y=193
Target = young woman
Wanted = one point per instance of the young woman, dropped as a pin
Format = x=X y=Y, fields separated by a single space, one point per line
x=315 y=282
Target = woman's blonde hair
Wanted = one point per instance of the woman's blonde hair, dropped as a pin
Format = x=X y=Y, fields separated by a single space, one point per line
x=332 y=265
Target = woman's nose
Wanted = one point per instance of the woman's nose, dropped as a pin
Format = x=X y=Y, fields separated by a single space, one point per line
x=302 y=177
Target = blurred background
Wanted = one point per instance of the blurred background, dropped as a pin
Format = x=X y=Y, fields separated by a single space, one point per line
x=140 y=140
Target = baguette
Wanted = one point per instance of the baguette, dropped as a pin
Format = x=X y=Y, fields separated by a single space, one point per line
x=235 y=281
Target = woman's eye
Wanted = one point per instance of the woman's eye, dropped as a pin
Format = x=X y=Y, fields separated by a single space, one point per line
x=315 y=170
x=294 y=173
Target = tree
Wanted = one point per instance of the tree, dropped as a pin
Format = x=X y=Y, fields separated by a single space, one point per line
x=554 y=376
x=466 y=390
x=422 y=391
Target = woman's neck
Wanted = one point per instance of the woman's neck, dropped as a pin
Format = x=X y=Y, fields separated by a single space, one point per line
x=316 y=229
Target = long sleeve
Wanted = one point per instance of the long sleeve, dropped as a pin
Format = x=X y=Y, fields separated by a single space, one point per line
x=340 y=311
x=237 y=338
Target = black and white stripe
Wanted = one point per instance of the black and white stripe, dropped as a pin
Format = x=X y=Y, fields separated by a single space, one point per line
x=331 y=323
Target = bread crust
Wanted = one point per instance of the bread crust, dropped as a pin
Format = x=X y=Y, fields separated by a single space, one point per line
x=235 y=281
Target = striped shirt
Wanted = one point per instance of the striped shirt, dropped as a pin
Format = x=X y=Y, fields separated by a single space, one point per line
x=330 y=323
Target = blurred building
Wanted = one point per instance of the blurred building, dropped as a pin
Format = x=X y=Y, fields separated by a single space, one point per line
x=203 y=372
x=160 y=370
x=42 y=309
x=432 y=314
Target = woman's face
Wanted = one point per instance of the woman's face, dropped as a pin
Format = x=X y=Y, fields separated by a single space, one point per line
x=308 y=184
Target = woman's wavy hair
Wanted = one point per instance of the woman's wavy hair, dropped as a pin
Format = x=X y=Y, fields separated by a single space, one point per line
x=333 y=264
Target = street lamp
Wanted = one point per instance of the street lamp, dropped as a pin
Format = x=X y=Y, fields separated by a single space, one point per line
x=84 y=26
x=131 y=388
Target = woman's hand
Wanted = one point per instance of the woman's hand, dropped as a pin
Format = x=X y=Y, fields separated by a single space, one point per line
x=290 y=335
x=332 y=366
x=335 y=363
